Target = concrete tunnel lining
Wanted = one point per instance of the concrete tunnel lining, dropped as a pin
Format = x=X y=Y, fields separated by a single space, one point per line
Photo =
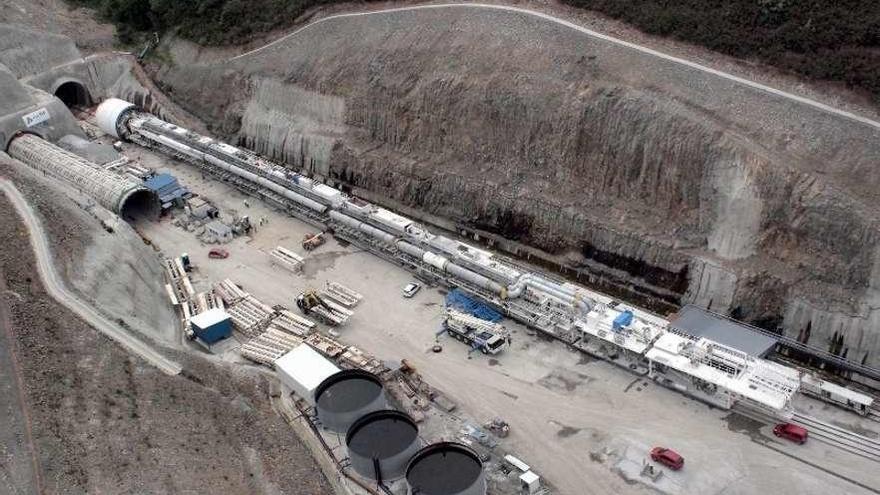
x=139 y=204
x=123 y=196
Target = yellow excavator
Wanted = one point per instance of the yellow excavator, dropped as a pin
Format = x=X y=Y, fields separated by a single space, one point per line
x=311 y=304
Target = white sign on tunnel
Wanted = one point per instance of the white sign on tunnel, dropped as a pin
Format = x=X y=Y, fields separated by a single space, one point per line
x=34 y=118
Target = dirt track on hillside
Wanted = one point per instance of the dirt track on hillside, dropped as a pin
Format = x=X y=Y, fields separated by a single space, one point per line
x=104 y=421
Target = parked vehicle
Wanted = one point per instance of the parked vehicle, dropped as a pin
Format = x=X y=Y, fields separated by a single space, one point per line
x=411 y=289
x=218 y=254
x=667 y=457
x=795 y=433
x=482 y=335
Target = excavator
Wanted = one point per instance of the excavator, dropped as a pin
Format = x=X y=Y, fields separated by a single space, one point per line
x=311 y=304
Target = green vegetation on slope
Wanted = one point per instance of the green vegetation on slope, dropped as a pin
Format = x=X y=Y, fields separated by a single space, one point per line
x=208 y=22
x=831 y=40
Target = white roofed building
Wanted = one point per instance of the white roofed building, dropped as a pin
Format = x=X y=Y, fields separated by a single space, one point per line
x=303 y=369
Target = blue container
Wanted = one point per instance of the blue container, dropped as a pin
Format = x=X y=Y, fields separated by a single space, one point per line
x=212 y=325
x=622 y=320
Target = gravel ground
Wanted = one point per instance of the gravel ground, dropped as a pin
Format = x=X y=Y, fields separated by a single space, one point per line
x=104 y=422
x=56 y=16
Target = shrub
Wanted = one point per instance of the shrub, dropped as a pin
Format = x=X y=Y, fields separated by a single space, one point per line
x=825 y=40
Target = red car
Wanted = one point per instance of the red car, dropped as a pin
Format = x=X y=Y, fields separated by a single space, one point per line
x=667 y=457
x=792 y=432
x=218 y=254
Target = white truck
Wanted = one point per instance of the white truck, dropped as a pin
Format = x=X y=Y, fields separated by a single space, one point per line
x=479 y=334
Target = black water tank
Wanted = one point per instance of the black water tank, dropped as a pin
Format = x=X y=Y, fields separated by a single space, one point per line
x=346 y=396
x=381 y=444
x=446 y=468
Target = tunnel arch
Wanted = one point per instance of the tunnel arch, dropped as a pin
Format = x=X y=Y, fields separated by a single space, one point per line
x=73 y=94
x=139 y=204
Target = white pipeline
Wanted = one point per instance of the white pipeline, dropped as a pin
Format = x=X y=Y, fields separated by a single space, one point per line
x=268 y=184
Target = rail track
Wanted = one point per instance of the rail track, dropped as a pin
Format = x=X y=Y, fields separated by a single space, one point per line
x=835 y=436
x=842 y=438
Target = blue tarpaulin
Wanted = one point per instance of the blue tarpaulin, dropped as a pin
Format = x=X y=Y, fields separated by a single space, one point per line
x=166 y=187
x=622 y=320
x=458 y=300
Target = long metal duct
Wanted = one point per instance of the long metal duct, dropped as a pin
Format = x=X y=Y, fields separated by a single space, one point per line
x=112 y=191
x=364 y=227
x=268 y=184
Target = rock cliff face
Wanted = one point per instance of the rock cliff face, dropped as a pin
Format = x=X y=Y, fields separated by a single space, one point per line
x=651 y=179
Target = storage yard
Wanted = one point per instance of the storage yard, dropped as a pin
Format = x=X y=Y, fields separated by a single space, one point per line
x=280 y=334
x=599 y=422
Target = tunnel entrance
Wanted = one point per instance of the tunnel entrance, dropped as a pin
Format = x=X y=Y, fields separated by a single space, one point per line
x=138 y=206
x=73 y=94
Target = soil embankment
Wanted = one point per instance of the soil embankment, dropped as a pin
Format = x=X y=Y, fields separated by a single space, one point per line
x=103 y=420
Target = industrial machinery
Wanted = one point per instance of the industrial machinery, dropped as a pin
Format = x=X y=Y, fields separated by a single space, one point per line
x=313 y=241
x=499 y=427
x=482 y=335
x=588 y=320
x=311 y=304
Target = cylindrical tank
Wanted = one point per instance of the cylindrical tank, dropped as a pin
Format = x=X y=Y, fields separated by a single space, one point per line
x=381 y=444
x=474 y=278
x=111 y=116
x=346 y=396
x=446 y=468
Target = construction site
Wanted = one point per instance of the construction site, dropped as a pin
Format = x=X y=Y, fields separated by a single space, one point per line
x=299 y=331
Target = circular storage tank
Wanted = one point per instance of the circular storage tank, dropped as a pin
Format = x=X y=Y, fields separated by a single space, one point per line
x=346 y=396
x=381 y=444
x=446 y=469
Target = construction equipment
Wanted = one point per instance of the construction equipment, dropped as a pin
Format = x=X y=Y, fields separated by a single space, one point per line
x=499 y=427
x=481 y=335
x=218 y=254
x=311 y=304
x=241 y=225
x=312 y=241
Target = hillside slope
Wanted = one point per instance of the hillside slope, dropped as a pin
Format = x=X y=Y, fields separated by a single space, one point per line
x=666 y=183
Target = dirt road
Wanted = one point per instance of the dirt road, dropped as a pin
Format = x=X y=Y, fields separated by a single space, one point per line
x=59 y=292
x=594 y=34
